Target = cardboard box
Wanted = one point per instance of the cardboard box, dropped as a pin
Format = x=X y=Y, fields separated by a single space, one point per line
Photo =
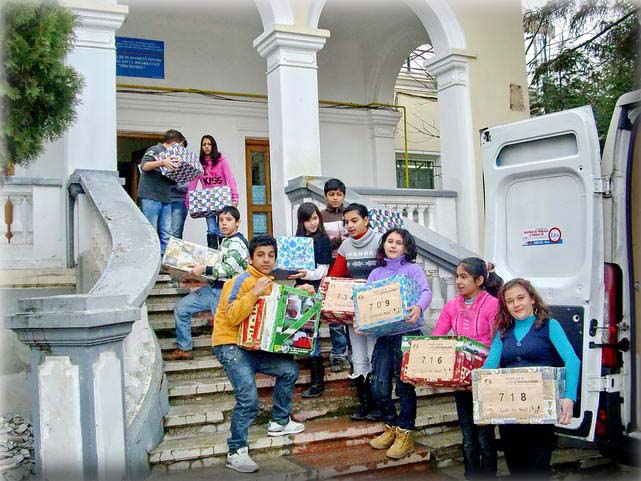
x=188 y=168
x=381 y=306
x=180 y=253
x=294 y=253
x=441 y=361
x=284 y=322
x=521 y=395
x=338 y=301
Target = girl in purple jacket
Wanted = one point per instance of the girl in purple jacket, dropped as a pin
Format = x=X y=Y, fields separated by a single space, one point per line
x=396 y=256
x=472 y=313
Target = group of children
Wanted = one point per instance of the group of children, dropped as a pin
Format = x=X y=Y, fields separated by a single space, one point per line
x=511 y=318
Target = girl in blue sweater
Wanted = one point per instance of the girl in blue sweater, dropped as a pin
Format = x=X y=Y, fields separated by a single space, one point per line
x=396 y=256
x=527 y=335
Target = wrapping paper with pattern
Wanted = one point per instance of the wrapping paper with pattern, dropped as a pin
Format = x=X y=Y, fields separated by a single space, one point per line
x=380 y=307
x=208 y=202
x=284 y=322
x=188 y=168
x=468 y=355
x=294 y=253
x=338 y=302
x=520 y=395
x=383 y=220
x=180 y=253
x=250 y=333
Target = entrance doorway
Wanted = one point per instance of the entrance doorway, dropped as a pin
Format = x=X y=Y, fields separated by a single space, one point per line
x=131 y=146
x=259 y=195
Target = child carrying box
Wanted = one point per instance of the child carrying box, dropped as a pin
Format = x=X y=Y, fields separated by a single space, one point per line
x=237 y=301
x=471 y=313
x=528 y=336
x=396 y=256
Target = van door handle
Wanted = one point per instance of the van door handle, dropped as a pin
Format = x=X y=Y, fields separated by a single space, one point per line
x=623 y=345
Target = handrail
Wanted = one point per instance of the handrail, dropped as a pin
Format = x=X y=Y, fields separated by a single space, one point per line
x=135 y=253
x=436 y=248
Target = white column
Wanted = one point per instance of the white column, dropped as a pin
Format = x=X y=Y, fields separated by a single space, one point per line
x=382 y=124
x=459 y=168
x=294 y=131
x=91 y=140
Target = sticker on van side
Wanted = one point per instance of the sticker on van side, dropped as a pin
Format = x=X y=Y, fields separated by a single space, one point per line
x=542 y=236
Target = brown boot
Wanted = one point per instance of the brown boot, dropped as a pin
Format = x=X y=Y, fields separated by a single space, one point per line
x=179 y=355
x=384 y=440
x=403 y=445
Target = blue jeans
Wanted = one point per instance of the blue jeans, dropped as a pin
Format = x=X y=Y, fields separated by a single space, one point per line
x=338 y=338
x=386 y=367
x=178 y=217
x=241 y=366
x=212 y=226
x=205 y=298
x=479 y=448
x=159 y=216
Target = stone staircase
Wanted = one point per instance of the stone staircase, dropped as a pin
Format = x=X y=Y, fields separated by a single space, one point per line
x=201 y=399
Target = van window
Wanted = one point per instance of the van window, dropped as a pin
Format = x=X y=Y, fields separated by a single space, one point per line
x=538 y=150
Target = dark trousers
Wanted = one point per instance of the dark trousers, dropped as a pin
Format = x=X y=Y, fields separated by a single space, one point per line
x=386 y=368
x=528 y=449
x=479 y=446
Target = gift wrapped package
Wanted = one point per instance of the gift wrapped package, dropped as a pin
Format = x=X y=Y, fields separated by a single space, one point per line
x=180 y=253
x=380 y=307
x=520 y=395
x=382 y=220
x=250 y=333
x=208 y=202
x=188 y=168
x=294 y=253
x=285 y=322
x=295 y=323
x=338 y=304
x=441 y=361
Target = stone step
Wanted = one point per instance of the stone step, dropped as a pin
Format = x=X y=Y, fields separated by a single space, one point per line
x=166 y=290
x=210 y=449
x=164 y=321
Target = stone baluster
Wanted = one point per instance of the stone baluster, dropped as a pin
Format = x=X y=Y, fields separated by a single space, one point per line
x=431 y=222
x=421 y=214
x=450 y=284
x=25 y=212
x=437 y=295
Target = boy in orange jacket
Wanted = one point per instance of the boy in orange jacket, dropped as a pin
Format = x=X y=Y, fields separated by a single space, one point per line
x=237 y=300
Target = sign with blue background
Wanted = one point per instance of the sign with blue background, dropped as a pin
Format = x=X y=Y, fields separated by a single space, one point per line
x=139 y=57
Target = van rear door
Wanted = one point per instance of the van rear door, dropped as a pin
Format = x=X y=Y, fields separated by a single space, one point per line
x=544 y=223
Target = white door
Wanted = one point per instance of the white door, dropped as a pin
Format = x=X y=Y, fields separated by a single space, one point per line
x=544 y=223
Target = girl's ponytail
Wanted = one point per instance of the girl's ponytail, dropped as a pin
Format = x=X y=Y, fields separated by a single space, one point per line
x=493 y=282
x=476 y=267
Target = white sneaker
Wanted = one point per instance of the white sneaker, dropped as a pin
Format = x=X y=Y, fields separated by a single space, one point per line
x=292 y=427
x=241 y=462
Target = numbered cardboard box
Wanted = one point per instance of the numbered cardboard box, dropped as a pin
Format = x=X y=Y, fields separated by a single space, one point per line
x=441 y=361
x=521 y=395
x=284 y=322
x=338 y=302
x=382 y=306
x=180 y=254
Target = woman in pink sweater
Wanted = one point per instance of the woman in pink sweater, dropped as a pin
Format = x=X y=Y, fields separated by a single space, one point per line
x=472 y=314
x=217 y=174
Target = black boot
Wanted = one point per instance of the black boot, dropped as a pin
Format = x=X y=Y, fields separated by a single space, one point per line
x=361 y=392
x=212 y=241
x=317 y=384
x=373 y=413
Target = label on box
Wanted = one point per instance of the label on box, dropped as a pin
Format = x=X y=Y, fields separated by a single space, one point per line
x=432 y=359
x=339 y=297
x=517 y=395
x=380 y=304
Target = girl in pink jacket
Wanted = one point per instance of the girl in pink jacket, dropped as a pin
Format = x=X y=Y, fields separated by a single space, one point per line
x=217 y=174
x=472 y=314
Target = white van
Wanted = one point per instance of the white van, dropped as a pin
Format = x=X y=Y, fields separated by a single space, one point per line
x=569 y=220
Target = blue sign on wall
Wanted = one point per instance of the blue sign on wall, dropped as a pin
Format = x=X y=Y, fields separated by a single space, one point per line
x=139 y=57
